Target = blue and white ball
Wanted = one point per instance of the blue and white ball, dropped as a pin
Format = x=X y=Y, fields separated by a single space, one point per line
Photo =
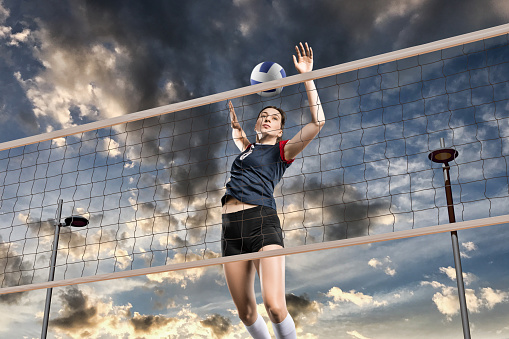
x=267 y=71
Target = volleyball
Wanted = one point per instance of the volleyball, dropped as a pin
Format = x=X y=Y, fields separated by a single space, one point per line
x=267 y=71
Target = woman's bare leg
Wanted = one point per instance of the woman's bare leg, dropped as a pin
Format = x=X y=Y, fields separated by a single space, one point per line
x=272 y=280
x=240 y=279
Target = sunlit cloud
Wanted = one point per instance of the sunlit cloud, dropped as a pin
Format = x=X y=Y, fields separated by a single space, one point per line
x=4 y=12
x=447 y=302
x=357 y=335
x=93 y=87
x=493 y=297
x=219 y=325
x=468 y=278
x=468 y=246
x=358 y=298
x=395 y=9
x=13 y=265
x=82 y=315
x=383 y=264
x=183 y=277
x=304 y=311
x=14 y=39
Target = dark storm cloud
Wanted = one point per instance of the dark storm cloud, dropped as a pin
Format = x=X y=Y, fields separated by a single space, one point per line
x=14 y=272
x=208 y=47
x=80 y=316
x=189 y=157
x=77 y=312
x=219 y=325
x=204 y=48
x=300 y=306
x=146 y=323
x=346 y=211
x=80 y=244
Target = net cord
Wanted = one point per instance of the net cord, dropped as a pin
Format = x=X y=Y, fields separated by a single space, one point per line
x=243 y=91
x=463 y=225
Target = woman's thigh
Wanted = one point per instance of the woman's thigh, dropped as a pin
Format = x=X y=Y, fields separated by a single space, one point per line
x=240 y=279
x=272 y=278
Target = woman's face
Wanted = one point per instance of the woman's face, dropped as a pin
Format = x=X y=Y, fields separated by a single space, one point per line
x=269 y=123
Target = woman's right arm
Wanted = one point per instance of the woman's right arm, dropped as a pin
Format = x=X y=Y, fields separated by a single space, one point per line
x=239 y=137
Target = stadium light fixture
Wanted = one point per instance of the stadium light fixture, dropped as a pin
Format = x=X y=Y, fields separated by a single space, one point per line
x=444 y=156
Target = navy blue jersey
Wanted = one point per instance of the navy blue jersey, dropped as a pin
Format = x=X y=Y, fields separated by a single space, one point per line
x=255 y=173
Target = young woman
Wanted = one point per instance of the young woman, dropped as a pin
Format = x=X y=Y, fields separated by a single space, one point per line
x=250 y=221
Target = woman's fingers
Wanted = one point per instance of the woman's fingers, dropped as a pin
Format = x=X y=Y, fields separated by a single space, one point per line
x=295 y=61
x=304 y=51
x=298 y=52
x=308 y=50
x=233 y=117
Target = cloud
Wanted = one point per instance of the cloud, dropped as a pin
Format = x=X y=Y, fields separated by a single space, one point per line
x=342 y=209
x=6 y=31
x=183 y=277
x=398 y=9
x=434 y=284
x=101 y=68
x=220 y=326
x=358 y=298
x=447 y=301
x=383 y=264
x=15 y=38
x=493 y=297
x=302 y=309
x=468 y=278
x=356 y=334
x=97 y=73
x=4 y=13
x=92 y=77
x=86 y=315
x=147 y=323
x=468 y=247
x=14 y=271
x=79 y=244
x=77 y=313
x=374 y=263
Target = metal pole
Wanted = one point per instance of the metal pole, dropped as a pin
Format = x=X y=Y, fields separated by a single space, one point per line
x=49 y=291
x=456 y=250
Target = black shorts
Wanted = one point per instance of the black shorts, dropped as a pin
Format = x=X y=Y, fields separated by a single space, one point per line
x=247 y=231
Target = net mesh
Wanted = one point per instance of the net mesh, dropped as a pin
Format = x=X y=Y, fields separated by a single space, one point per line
x=152 y=188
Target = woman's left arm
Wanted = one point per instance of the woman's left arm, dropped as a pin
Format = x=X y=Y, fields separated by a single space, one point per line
x=304 y=63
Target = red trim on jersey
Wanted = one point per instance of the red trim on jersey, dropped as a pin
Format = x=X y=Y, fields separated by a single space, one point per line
x=282 y=151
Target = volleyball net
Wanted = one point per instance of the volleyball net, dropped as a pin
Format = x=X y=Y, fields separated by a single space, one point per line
x=151 y=182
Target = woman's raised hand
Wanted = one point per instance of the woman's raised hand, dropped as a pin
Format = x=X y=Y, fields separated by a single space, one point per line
x=304 y=60
x=233 y=117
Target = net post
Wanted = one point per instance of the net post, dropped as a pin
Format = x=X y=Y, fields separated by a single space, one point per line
x=461 y=286
x=51 y=277
x=455 y=247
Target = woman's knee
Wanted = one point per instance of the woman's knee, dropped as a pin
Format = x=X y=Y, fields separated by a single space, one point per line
x=248 y=315
x=277 y=311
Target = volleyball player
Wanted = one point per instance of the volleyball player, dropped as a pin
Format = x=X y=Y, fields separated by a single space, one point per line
x=250 y=220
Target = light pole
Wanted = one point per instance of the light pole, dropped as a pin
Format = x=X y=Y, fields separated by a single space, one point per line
x=75 y=221
x=443 y=156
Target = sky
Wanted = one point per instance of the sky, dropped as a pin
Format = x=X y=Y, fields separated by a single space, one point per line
x=67 y=63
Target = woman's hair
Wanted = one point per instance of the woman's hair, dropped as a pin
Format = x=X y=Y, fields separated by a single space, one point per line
x=283 y=120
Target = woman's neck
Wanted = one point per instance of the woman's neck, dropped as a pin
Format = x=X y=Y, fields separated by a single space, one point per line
x=266 y=141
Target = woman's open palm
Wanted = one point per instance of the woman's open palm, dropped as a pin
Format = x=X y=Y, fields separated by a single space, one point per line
x=304 y=60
